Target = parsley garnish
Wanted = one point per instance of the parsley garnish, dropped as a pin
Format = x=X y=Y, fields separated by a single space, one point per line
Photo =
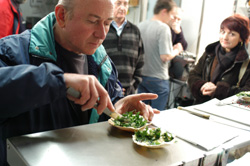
x=153 y=136
x=129 y=119
x=243 y=94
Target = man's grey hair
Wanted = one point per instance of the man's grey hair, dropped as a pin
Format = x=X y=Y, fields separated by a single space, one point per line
x=68 y=5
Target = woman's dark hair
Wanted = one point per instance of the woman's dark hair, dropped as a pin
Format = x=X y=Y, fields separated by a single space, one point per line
x=238 y=23
x=164 y=4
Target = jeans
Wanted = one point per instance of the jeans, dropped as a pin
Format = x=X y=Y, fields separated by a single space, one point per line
x=157 y=86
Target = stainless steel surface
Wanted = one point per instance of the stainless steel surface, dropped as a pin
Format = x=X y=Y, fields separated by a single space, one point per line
x=94 y=144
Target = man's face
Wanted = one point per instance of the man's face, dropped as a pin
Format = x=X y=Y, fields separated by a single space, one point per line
x=89 y=25
x=121 y=8
x=170 y=15
x=176 y=17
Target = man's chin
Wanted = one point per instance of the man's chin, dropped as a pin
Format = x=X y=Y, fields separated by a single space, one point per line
x=90 y=52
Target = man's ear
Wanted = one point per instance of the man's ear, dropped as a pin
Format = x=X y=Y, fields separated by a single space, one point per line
x=60 y=13
x=164 y=11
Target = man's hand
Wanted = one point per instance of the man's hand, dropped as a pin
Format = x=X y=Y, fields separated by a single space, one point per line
x=176 y=26
x=91 y=92
x=178 y=47
x=132 y=102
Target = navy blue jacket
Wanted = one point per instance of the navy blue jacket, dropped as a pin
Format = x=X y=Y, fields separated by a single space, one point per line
x=32 y=88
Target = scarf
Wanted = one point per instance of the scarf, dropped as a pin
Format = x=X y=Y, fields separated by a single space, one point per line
x=225 y=61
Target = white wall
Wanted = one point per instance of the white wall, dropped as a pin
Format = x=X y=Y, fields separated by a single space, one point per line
x=134 y=13
x=37 y=8
x=192 y=12
x=151 y=4
x=212 y=18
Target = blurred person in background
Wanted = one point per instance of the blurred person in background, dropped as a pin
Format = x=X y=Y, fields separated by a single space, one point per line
x=123 y=44
x=179 y=43
x=11 y=21
x=158 y=47
x=178 y=38
x=223 y=70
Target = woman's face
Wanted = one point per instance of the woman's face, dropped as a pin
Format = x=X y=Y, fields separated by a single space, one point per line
x=229 y=39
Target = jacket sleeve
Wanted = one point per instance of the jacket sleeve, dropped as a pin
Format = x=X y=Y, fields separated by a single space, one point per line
x=138 y=70
x=224 y=89
x=195 y=79
x=181 y=39
x=26 y=87
x=113 y=85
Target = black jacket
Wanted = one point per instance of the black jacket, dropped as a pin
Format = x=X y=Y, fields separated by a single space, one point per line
x=226 y=86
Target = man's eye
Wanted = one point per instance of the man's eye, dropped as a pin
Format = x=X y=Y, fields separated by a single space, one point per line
x=93 y=21
x=108 y=23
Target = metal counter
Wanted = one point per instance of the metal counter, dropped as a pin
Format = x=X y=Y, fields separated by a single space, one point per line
x=94 y=144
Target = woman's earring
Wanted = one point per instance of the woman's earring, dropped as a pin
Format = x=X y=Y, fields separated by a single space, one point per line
x=241 y=43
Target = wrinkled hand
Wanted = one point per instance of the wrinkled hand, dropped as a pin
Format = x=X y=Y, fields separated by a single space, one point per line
x=131 y=102
x=91 y=92
x=208 y=89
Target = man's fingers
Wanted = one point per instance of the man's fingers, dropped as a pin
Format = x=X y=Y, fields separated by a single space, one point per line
x=145 y=96
x=156 y=111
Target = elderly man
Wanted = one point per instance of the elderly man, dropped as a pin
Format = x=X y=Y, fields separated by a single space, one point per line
x=62 y=50
x=124 y=46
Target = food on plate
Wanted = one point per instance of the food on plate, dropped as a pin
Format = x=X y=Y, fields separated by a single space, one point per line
x=129 y=121
x=245 y=95
x=152 y=138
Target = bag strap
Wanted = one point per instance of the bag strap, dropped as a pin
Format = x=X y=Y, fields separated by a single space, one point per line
x=242 y=71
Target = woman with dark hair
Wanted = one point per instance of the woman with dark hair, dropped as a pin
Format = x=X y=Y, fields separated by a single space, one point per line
x=223 y=70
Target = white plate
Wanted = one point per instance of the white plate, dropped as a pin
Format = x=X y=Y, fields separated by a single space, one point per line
x=130 y=129
x=163 y=144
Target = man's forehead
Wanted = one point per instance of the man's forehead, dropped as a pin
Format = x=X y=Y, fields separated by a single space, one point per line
x=106 y=9
x=120 y=0
x=99 y=17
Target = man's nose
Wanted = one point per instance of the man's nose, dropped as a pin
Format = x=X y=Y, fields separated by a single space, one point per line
x=100 y=32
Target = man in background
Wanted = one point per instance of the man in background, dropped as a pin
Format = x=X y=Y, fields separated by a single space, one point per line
x=11 y=17
x=124 y=46
x=156 y=36
x=179 y=43
x=176 y=31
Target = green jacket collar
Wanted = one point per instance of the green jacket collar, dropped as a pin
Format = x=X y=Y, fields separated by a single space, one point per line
x=42 y=42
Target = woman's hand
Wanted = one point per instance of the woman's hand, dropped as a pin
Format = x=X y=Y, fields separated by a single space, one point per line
x=208 y=89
